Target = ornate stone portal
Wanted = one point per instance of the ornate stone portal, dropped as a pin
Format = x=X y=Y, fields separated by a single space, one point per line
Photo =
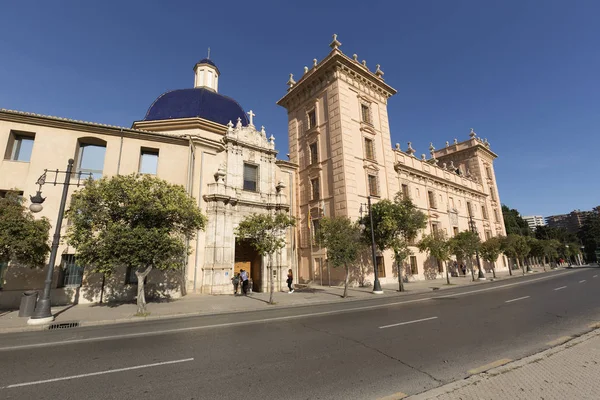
x=229 y=201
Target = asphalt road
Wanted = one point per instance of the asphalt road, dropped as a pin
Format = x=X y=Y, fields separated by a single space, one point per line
x=356 y=350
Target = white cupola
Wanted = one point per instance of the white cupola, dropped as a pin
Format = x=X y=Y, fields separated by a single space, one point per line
x=206 y=75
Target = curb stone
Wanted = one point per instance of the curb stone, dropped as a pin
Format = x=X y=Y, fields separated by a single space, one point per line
x=476 y=379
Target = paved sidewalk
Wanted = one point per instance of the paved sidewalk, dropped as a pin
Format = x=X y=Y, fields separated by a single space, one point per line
x=202 y=304
x=568 y=371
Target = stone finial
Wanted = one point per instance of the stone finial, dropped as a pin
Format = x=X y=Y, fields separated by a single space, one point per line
x=335 y=43
x=238 y=125
x=291 y=82
x=431 y=148
x=398 y=146
x=305 y=69
x=272 y=140
x=314 y=62
x=220 y=174
x=447 y=144
x=435 y=161
x=444 y=165
x=410 y=151
x=379 y=72
x=472 y=134
x=486 y=143
x=455 y=141
x=423 y=157
x=229 y=127
x=364 y=63
x=451 y=166
x=355 y=57
x=280 y=186
x=263 y=132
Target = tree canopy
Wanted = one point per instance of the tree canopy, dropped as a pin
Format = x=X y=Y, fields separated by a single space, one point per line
x=266 y=233
x=513 y=222
x=438 y=246
x=589 y=234
x=490 y=250
x=342 y=238
x=23 y=239
x=135 y=221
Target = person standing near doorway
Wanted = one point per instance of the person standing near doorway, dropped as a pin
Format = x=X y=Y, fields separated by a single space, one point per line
x=244 y=278
x=290 y=280
x=236 y=281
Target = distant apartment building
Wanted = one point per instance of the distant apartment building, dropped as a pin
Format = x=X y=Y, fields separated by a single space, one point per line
x=534 y=221
x=571 y=222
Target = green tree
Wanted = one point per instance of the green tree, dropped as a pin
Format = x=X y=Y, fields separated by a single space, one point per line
x=589 y=234
x=342 y=238
x=537 y=249
x=551 y=249
x=514 y=223
x=464 y=245
x=266 y=233
x=491 y=250
x=23 y=239
x=438 y=246
x=139 y=222
x=515 y=246
x=395 y=224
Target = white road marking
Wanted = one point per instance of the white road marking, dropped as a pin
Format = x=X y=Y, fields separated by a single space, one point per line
x=559 y=288
x=582 y=281
x=407 y=322
x=96 y=373
x=228 y=324
x=520 y=298
x=595 y=276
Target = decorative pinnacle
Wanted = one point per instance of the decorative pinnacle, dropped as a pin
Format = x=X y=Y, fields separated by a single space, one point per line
x=472 y=133
x=314 y=62
x=291 y=82
x=355 y=57
x=410 y=150
x=431 y=148
x=335 y=43
x=305 y=69
x=364 y=63
x=379 y=72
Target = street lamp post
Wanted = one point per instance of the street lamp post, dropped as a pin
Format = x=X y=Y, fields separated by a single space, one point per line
x=376 y=283
x=42 y=313
x=480 y=275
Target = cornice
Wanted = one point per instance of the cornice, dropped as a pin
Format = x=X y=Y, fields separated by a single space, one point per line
x=425 y=175
x=181 y=124
x=87 y=127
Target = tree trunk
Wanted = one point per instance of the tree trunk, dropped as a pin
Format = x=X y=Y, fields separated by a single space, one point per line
x=522 y=268
x=544 y=263
x=472 y=272
x=400 y=282
x=346 y=281
x=270 y=269
x=509 y=266
x=494 y=269
x=447 y=273
x=141 y=296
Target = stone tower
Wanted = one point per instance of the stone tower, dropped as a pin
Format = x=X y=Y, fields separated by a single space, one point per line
x=339 y=136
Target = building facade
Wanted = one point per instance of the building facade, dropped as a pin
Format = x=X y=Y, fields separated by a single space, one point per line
x=340 y=153
x=534 y=221
x=340 y=138
x=571 y=222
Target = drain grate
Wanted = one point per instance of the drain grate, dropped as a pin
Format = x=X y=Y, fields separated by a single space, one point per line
x=63 y=325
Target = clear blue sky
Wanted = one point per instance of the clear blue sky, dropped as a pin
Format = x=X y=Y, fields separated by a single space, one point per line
x=524 y=74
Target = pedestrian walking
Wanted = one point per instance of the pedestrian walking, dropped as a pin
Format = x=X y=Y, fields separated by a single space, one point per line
x=463 y=269
x=290 y=280
x=236 y=282
x=244 y=278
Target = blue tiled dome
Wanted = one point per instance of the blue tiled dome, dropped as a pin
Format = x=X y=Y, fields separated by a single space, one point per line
x=197 y=102
x=207 y=61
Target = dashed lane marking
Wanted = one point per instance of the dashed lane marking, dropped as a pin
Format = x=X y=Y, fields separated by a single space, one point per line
x=560 y=288
x=407 y=322
x=489 y=366
x=517 y=299
x=582 y=281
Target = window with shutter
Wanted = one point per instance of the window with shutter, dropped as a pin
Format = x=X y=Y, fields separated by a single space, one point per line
x=369 y=149
x=250 y=177
x=373 y=186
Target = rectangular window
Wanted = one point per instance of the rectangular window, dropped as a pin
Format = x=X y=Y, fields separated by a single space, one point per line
x=451 y=200
x=91 y=160
x=380 y=267
x=365 y=113
x=495 y=215
x=414 y=269
x=488 y=234
x=469 y=211
x=369 y=149
x=148 y=161
x=455 y=230
x=434 y=228
x=71 y=273
x=484 y=212
x=20 y=145
x=312 y=119
x=488 y=172
x=314 y=153
x=431 y=199
x=373 y=187
x=251 y=177
x=405 y=191
x=492 y=193
x=314 y=184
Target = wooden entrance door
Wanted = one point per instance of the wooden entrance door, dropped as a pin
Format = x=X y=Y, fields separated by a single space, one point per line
x=248 y=259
